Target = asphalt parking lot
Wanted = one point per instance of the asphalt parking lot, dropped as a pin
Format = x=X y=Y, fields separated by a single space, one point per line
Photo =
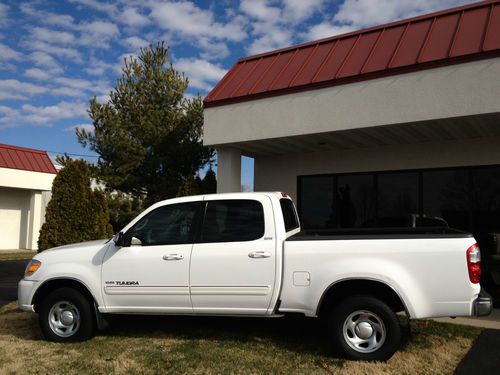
x=11 y=271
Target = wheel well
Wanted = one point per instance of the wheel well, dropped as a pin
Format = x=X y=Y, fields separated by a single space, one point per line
x=342 y=289
x=54 y=284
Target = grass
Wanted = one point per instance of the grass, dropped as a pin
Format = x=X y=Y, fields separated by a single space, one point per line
x=17 y=255
x=202 y=345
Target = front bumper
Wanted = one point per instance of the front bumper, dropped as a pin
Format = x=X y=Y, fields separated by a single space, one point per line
x=25 y=290
x=483 y=304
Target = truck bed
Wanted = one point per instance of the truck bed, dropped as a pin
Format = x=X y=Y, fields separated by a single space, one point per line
x=378 y=233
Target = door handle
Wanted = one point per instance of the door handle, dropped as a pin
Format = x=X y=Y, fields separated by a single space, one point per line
x=259 y=254
x=173 y=257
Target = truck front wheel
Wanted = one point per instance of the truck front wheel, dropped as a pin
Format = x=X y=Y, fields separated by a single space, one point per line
x=66 y=316
x=365 y=328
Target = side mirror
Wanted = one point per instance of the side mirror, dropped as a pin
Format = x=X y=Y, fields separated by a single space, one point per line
x=118 y=239
x=134 y=241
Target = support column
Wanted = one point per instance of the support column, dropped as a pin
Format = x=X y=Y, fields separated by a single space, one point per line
x=35 y=219
x=228 y=170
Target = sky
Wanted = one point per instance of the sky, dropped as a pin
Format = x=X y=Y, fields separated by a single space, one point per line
x=56 y=55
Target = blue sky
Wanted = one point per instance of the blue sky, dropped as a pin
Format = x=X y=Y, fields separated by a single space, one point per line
x=55 y=55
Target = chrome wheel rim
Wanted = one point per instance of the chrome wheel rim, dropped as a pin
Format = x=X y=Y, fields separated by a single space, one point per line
x=364 y=331
x=64 y=319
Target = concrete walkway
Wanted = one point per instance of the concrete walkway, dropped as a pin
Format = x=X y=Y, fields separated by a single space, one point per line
x=491 y=321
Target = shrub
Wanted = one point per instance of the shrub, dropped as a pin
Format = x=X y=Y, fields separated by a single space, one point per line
x=75 y=212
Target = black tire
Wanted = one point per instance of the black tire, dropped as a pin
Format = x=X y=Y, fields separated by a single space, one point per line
x=378 y=348
x=77 y=305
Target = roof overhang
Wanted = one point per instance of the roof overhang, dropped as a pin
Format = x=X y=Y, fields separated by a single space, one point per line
x=468 y=90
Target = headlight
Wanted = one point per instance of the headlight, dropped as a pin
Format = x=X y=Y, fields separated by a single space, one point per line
x=32 y=267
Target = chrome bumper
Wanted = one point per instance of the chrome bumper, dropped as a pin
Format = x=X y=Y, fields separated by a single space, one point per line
x=483 y=304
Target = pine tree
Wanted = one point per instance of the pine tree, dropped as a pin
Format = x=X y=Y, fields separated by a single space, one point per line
x=75 y=212
x=148 y=135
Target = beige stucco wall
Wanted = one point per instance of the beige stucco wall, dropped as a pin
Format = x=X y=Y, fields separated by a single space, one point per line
x=481 y=151
x=453 y=91
x=23 y=198
x=14 y=218
x=20 y=179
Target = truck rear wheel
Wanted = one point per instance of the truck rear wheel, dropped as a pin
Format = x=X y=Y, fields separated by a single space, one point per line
x=365 y=328
x=66 y=316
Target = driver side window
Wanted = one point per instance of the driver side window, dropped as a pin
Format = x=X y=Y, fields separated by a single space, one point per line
x=167 y=225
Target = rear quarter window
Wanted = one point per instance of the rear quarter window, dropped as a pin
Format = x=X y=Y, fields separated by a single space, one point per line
x=289 y=214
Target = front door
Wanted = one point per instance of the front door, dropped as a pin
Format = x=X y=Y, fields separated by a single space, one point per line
x=151 y=272
x=233 y=262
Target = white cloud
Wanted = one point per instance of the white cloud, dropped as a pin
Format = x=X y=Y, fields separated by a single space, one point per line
x=135 y=42
x=299 y=10
x=14 y=89
x=52 y=36
x=4 y=18
x=261 y=10
x=87 y=127
x=7 y=53
x=48 y=18
x=49 y=114
x=101 y=6
x=44 y=60
x=97 y=33
x=275 y=36
x=273 y=24
x=188 y=19
x=133 y=18
x=62 y=52
x=202 y=74
x=37 y=73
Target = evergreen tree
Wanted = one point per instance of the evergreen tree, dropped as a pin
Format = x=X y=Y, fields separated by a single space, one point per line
x=122 y=209
x=75 y=212
x=148 y=135
x=209 y=182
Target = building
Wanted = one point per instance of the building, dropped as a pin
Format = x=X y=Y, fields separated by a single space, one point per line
x=26 y=177
x=395 y=125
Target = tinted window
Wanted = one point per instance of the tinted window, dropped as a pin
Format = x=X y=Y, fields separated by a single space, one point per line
x=167 y=225
x=397 y=196
x=355 y=200
x=446 y=197
x=289 y=215
x=316 y=206
x=233 y=220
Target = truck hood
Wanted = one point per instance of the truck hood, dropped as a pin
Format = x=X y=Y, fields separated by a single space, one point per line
x=78 y=252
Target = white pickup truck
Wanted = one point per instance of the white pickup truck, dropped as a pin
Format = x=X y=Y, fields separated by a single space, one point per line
x=244 y=254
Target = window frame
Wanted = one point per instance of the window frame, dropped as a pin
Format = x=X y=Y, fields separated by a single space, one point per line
x=295 y=215
x=196 y=224
x=199 y=240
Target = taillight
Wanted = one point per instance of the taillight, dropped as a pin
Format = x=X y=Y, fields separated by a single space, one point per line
x=474 y=263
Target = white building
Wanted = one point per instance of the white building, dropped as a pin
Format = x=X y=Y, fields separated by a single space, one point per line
x=378 y=127
x=26 y=177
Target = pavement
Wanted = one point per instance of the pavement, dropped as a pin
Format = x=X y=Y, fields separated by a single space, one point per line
x=491 y=321
x=11 y=271
x=484 y=357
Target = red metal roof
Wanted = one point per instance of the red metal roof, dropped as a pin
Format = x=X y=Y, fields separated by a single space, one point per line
x=452 y=36
x=27 y=159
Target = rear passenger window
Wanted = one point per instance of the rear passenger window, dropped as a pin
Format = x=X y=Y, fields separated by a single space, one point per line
x=233 y=220
x=289 y=215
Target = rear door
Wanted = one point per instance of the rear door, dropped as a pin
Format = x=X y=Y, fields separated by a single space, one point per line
x=233 y=263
